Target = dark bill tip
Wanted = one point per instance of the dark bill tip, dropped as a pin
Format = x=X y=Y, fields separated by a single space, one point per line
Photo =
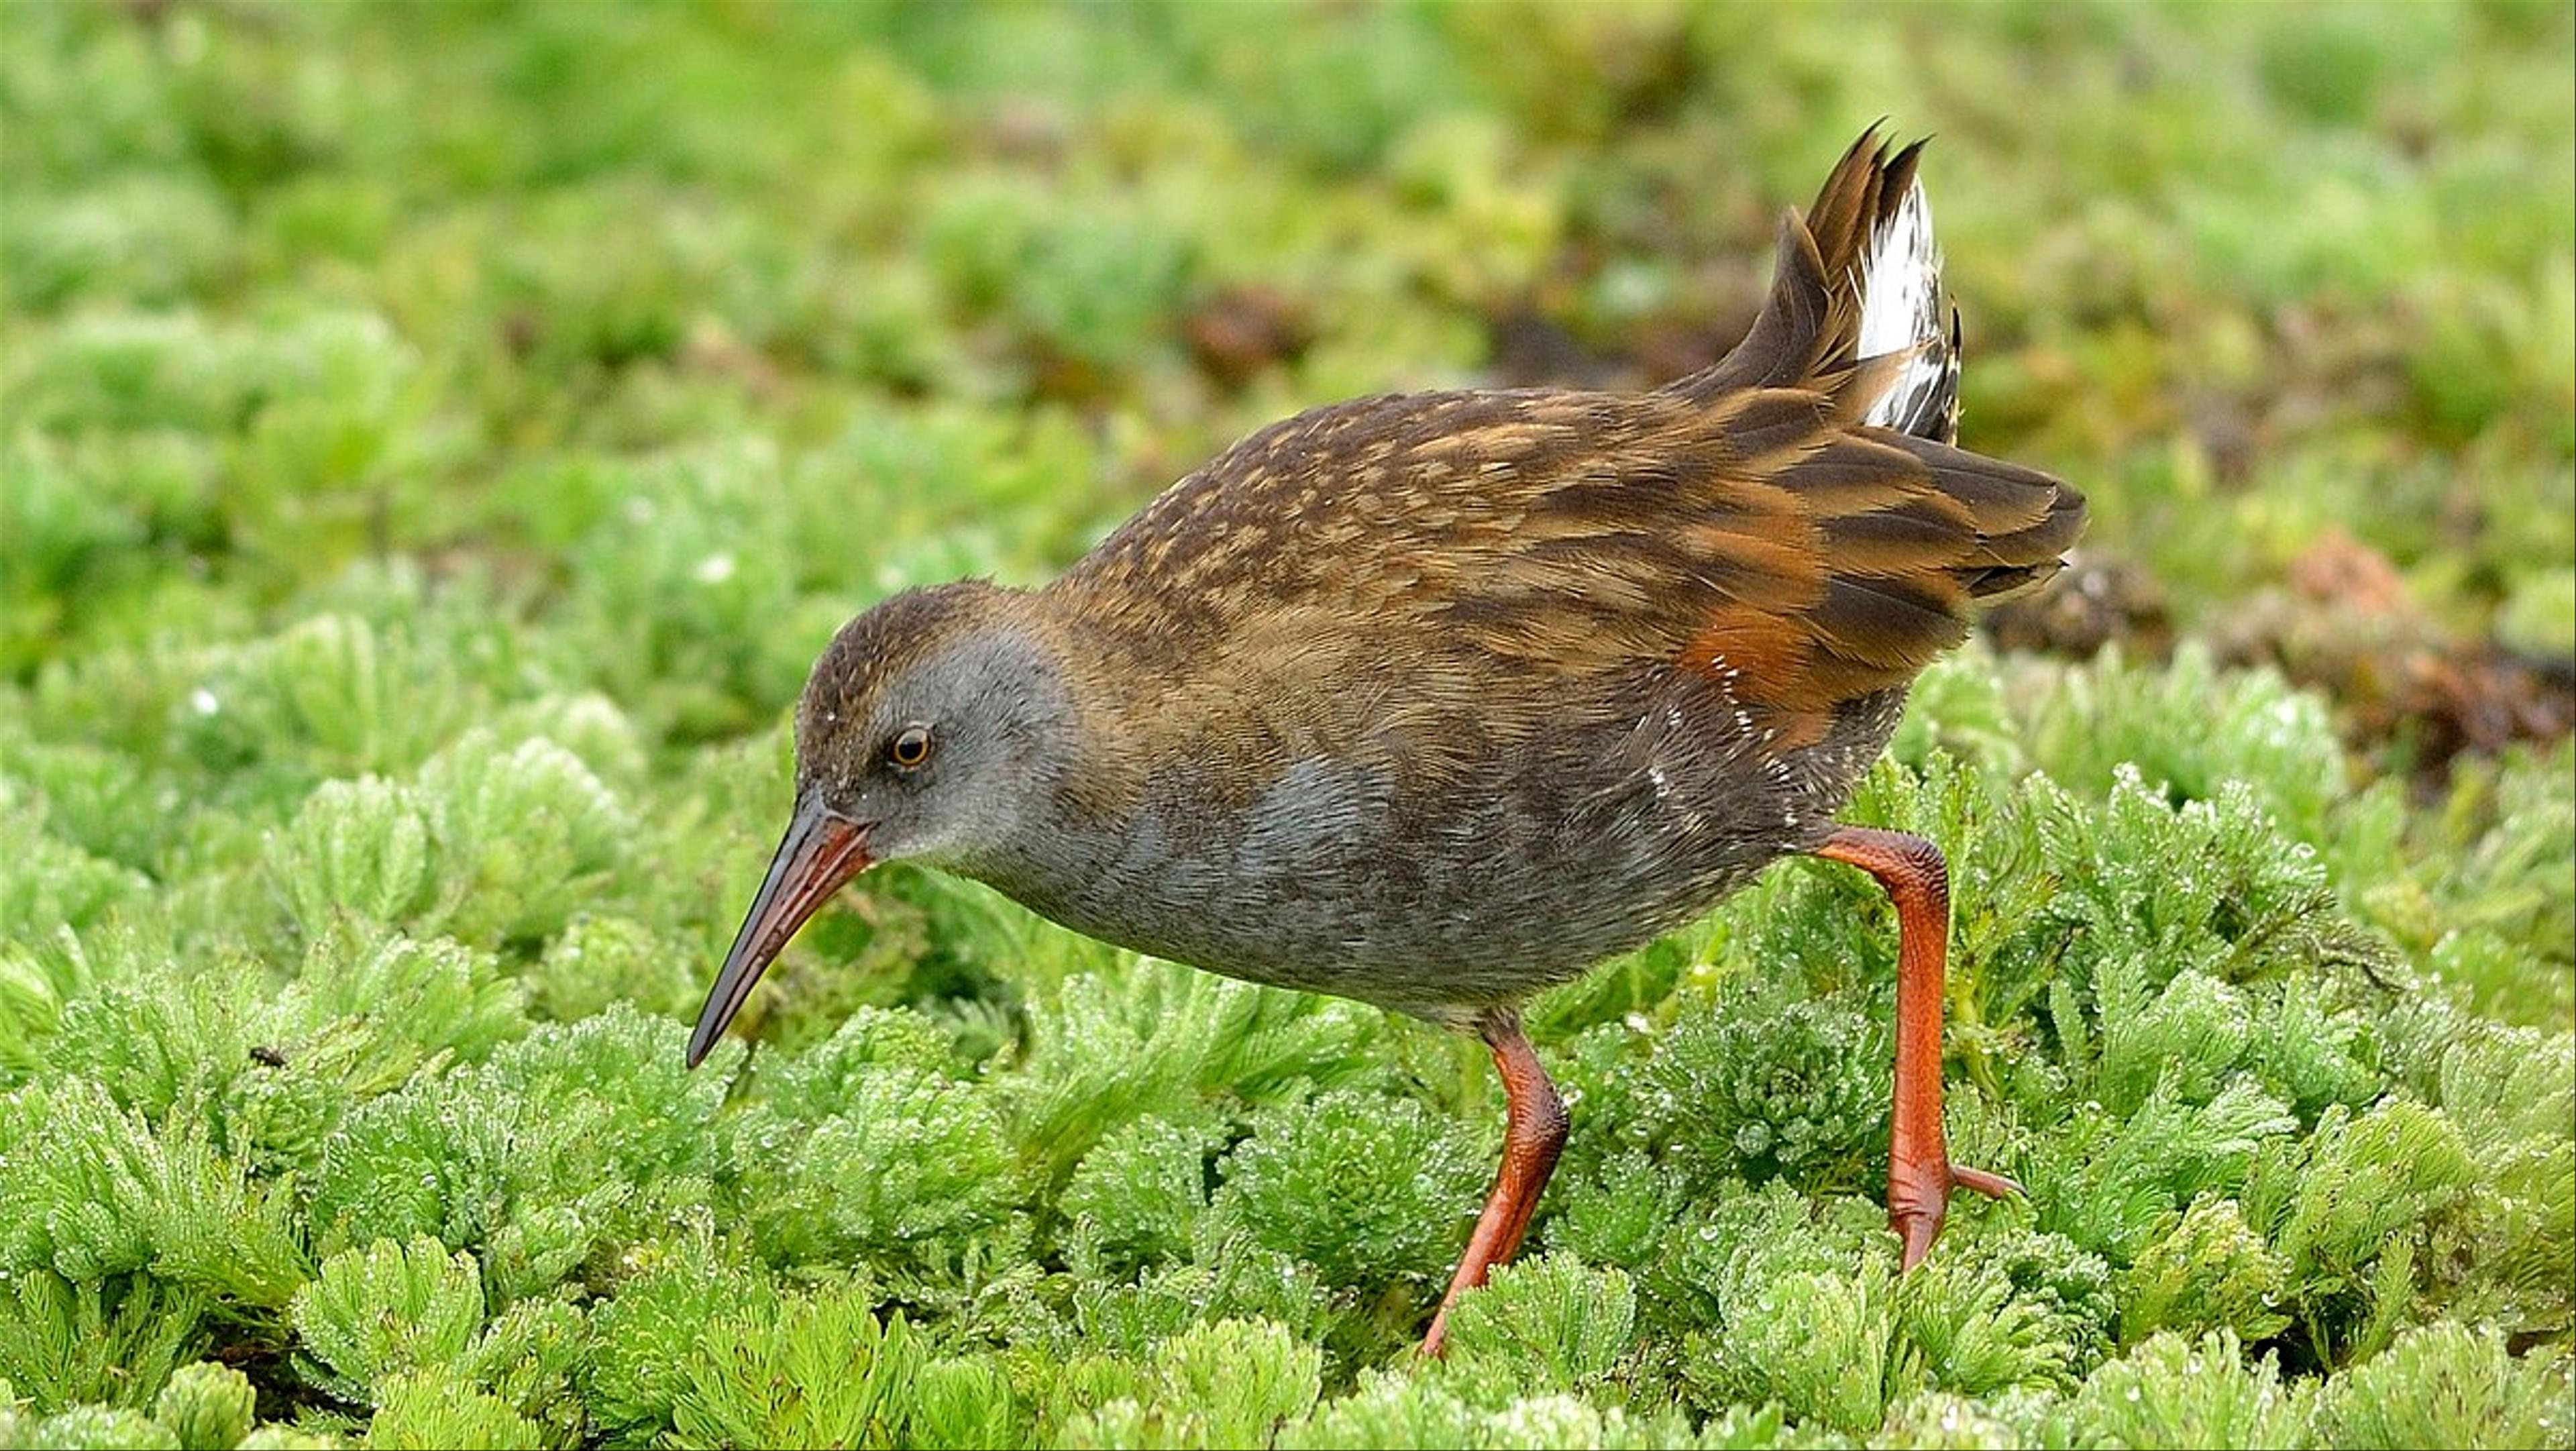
x=819 y=853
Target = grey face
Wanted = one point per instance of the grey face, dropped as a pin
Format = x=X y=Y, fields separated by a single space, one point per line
x=942 y=757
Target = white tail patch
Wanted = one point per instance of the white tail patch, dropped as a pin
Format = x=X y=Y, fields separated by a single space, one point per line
x=1900 y=311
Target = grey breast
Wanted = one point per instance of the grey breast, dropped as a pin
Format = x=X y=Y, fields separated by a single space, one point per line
x=1655 y=798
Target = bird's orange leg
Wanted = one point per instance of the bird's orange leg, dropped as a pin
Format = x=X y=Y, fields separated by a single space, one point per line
x=1920 y=1175
x=1533 y=1138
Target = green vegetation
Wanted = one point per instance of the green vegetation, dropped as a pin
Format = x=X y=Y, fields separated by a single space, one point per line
x=438 y=438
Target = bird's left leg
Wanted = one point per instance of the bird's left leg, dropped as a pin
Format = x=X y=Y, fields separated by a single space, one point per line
x=1920 y=1175
x=1535 y=1135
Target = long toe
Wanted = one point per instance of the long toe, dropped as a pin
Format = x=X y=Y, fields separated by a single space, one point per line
x=1993 y=1186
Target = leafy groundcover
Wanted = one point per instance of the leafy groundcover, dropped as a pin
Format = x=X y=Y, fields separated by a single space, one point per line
x=438 y=437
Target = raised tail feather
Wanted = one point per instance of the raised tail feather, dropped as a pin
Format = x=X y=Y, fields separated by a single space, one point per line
x=1857 y=311
x=1914 y=528
x=1856 y=308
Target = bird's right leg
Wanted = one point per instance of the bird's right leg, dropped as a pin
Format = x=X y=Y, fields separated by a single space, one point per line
x=1533 y=1138
x=1920 y=1175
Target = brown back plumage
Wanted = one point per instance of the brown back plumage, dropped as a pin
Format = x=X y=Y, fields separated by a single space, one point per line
x=1745 y=521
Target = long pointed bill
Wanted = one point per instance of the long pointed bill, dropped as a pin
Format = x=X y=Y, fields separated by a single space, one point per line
x=820 y=852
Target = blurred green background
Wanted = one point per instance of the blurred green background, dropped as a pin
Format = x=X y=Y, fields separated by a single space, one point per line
x=858 y=295
x=435 y=440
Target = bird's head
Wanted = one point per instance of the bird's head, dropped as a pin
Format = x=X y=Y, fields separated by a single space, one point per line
x=934 y=729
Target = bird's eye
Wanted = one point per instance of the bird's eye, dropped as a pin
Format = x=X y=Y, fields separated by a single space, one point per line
x=910 y=747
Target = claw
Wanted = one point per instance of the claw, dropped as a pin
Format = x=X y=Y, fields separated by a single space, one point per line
x=1918 y=1200
x=1918 y=1230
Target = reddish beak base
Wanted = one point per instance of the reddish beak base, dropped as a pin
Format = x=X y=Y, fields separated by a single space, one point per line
x=820 y=852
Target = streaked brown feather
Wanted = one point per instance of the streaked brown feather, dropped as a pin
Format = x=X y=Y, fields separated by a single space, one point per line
x=1897 y=541
x=1741 y=523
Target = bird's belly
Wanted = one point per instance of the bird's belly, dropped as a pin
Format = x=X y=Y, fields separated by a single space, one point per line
x=1435 y=903
x=1430 y=938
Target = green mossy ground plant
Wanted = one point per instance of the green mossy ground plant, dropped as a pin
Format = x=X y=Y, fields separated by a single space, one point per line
x=437 y=441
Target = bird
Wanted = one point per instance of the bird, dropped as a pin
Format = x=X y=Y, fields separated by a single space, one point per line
x=1435 y=700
